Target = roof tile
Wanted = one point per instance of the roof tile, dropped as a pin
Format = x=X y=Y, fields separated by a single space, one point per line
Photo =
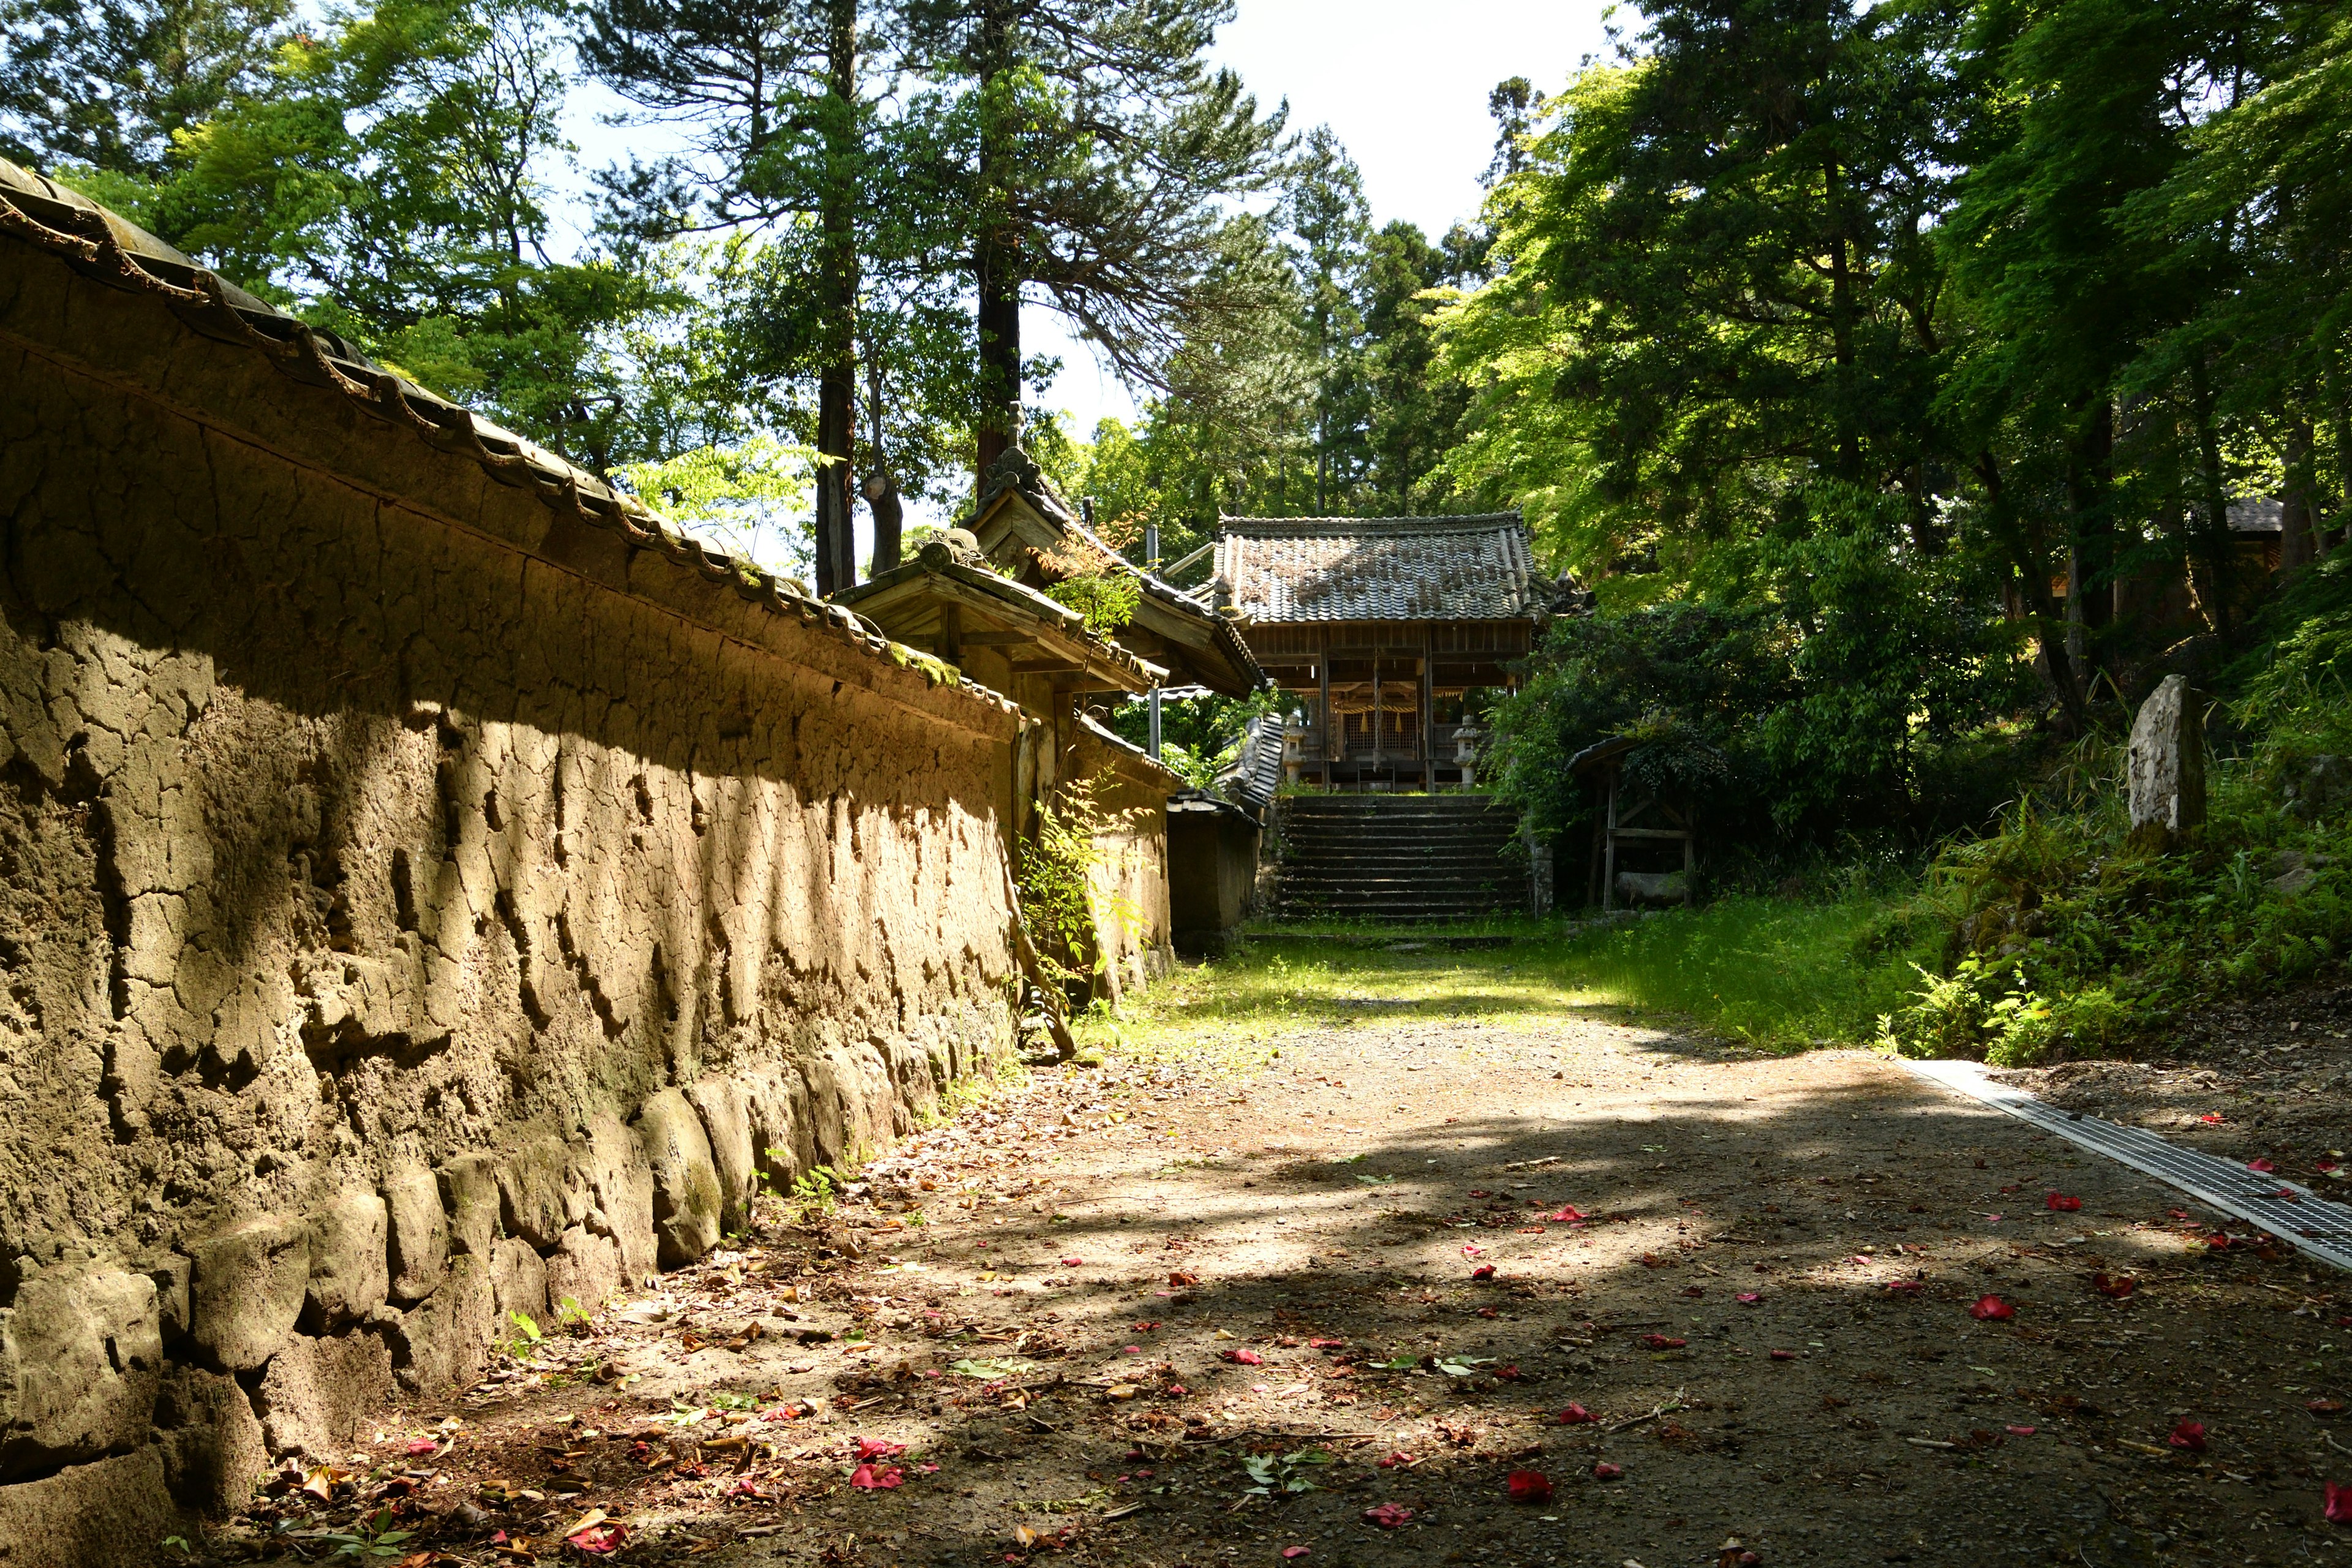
x=1376 y=569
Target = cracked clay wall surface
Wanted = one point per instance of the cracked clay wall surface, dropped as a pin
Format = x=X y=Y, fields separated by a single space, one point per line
x=412 y=907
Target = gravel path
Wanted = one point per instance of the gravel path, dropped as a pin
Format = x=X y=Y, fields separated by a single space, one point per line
x=1115 y=1315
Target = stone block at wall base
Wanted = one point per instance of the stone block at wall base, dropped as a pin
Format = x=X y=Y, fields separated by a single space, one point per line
x=247 y=1289
x=783 y=1139
x=446 y=1339
x=213 y=1449
x=81 y=1352
x=686 y=1202
x=620 y=1183
x=727 y=1122
x=418 y=1235
x=112 y=1514
x=316 y=1392
x=518 y=1284
x=536 y=1194
x=349 y=1276
x=585 y=1268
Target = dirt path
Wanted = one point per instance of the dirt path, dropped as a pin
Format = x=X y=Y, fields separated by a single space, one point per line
x=1101 y=1310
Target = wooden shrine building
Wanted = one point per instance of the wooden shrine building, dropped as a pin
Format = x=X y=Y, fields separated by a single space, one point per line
x=1381 y=628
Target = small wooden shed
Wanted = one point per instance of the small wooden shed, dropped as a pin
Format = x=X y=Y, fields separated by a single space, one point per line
x=1628 y=821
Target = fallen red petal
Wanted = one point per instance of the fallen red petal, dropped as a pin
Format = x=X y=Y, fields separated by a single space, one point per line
x=1784 y=1355
x=1907 y=1285
x=2188 y=1434
x=1293 y=1553
x=1606 y=1471
x=1576 y=1416
x=866 y=1478
x=2021 y=1431
x=2338 y=1505
x=1484 y=1271
x=1530 y=1485
x=2260 y=1167
x=1991 y=1309
x=600 y=1540
x=876 y=1448
x=2061 y=1203
x=1661 y=1343
x=1749 y=1298
x=1245 y=1358
x=422 y=1445
x=2116 y=1286
x=1388 y=1516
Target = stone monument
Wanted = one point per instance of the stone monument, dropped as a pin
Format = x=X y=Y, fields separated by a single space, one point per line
x=2166 y=766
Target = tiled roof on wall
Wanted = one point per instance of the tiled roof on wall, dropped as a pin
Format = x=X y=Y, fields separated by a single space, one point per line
x=1376 y=569
x=102 y=243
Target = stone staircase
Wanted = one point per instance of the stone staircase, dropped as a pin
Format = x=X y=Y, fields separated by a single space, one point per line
x=1399 y=858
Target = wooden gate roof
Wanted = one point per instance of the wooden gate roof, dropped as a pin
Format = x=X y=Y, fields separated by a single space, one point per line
x=1276 y=570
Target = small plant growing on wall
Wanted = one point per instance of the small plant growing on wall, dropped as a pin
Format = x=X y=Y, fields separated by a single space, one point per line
x=1055 y=878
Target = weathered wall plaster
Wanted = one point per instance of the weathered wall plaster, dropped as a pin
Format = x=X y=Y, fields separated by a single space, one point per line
x=1130 y=880
x=414 y=905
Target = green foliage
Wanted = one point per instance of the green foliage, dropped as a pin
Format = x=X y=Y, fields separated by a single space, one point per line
x=528 y=1335
x=373 y=1537
x=816 y=1192
x=103 y=86
x=1055 y=876
x=1107 y=596
x=2057 y=935
x=1284 y=1475
x=745 y=498
x=1830 y=680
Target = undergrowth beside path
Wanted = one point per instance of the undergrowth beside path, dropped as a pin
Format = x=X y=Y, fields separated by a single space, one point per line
x=1769 y=972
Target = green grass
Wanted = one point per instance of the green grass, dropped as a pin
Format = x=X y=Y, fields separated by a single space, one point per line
x=1768 y=972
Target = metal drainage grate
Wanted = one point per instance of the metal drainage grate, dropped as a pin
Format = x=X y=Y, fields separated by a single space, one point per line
x=2309 y=1223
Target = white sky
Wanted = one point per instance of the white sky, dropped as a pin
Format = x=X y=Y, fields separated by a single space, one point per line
x=1403 y=84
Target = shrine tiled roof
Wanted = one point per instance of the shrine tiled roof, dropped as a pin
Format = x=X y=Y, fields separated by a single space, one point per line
x=1275 y=570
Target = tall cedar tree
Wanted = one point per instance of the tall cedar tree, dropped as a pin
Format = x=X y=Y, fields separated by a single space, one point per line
x=1324 y=211
x=1099 y=153
x=775 y=91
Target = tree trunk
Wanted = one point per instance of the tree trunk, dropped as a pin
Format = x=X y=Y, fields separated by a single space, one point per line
x=2213 y=539
x=1841 y=314
x=995 y=264
x=2299 y=542
x=836 y=396
x=881 y=485
x=2090 y=553
x=2028 y=556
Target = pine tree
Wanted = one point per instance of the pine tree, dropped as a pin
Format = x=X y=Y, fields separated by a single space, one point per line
x=1095 y=149
x=105 y=85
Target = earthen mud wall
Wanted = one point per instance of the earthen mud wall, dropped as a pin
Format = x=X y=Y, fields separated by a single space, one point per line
x=1129 y=880
x=416 y=905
